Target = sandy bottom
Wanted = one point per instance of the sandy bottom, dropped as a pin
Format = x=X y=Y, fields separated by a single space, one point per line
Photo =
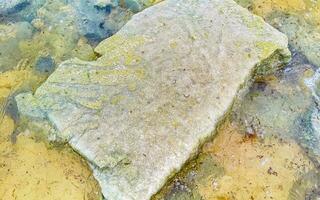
x=253 y=169
x=31 y=169
x=237 y=167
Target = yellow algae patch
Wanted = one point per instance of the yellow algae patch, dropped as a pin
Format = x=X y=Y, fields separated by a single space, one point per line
x=264 y=7
x=119 y=50
x=254 y=23
x=32 y=170
x=152 y=2
x=266 y=47
x=308 y=8
x=155 y=1
x=253 y=169
x=113 y=76
x=116 y=99
x=21 y=77
x=12 y=79
x=313 y=12
x=83 y=50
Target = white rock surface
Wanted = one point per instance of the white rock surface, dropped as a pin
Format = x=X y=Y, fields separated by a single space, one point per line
x=159 y=89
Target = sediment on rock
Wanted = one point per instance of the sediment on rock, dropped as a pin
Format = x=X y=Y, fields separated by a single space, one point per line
x=158 y=91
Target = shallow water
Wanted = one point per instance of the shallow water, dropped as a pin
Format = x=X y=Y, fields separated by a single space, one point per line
x=268 y=148
x=33 y=169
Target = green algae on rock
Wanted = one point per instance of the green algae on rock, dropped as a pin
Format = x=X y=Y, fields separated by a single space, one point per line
x=142 y=109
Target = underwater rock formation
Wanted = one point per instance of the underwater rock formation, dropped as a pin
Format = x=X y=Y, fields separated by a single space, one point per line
x=10 y=37
x=274 y=104
x=58 y=29
x=19 y=10
x=158 y=91
x=13 y=6
x=303 y=35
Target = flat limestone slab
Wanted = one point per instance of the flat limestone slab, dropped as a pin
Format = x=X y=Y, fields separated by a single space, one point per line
x=157 y=92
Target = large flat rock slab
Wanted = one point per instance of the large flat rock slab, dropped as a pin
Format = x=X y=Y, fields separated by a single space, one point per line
x=157 y=92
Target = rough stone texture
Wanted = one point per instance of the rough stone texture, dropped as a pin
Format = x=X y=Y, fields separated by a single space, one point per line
x=157 y=92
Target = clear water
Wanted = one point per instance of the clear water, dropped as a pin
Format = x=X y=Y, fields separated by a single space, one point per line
x=268 y=148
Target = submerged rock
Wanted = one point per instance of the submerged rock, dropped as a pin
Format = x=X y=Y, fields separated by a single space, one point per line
x=59 y=29
x=273 y=106
x=12 y=6
x=99 y=19
x=158 y=91
x=19 y=10
x=10 y=37
x=304 y=36
x=45 y=64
